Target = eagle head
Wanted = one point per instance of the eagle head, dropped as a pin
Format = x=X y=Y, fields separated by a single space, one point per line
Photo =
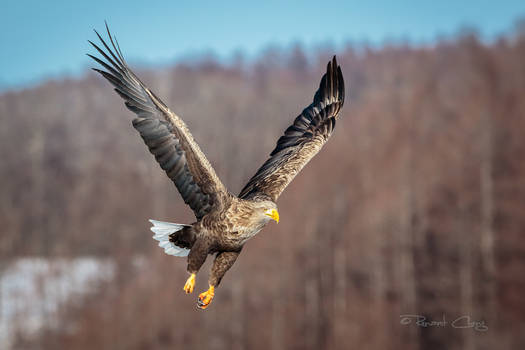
x=272 y=214
x=267 y=211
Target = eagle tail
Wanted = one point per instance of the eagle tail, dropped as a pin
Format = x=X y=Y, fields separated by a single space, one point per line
x=163 y=231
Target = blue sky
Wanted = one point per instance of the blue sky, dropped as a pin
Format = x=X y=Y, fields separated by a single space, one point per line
x=47 y=39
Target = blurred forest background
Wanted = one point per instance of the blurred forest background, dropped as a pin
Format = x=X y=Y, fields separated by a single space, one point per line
x=415 y=206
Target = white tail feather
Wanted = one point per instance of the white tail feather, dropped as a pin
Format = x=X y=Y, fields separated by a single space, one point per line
x=162 y=231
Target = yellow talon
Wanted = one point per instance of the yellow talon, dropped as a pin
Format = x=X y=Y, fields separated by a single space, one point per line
x=190 y=283
x=206 y=298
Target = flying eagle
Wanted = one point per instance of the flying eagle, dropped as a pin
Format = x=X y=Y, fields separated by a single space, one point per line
x=224 y=221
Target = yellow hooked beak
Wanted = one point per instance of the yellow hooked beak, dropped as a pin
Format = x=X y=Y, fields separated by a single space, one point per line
x=273 y=213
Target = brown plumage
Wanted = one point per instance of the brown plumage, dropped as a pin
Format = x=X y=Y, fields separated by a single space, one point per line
x=224 y=221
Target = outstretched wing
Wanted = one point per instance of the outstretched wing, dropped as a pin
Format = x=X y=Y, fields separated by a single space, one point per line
x=302 y=140
x=165 y=134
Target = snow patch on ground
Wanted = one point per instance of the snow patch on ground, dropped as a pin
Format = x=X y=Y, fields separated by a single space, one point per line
x=32 y=290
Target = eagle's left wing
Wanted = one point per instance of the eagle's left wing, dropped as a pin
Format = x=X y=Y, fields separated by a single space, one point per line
x=302 y=140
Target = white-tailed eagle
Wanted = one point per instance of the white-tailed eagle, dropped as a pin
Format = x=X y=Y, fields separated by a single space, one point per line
x=224 y=221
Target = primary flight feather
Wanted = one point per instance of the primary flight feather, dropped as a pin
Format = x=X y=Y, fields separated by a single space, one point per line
x=224 y=221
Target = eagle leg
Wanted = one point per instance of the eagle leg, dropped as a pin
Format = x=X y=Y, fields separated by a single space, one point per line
x=222 y=263
x=196 y=258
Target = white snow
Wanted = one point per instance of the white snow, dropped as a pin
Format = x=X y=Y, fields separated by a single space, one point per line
x=32 y=289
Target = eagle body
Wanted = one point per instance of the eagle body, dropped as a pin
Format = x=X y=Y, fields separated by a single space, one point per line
x=225 y=222
x=227 y=228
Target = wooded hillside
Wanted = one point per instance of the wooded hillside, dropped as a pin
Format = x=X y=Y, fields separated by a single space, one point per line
x=415 y=205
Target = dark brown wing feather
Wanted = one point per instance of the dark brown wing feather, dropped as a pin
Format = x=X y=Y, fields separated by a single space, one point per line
x=302 y=140
x=165 y=134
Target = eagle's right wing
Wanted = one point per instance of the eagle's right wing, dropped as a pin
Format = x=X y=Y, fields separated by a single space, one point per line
x=165 y=134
